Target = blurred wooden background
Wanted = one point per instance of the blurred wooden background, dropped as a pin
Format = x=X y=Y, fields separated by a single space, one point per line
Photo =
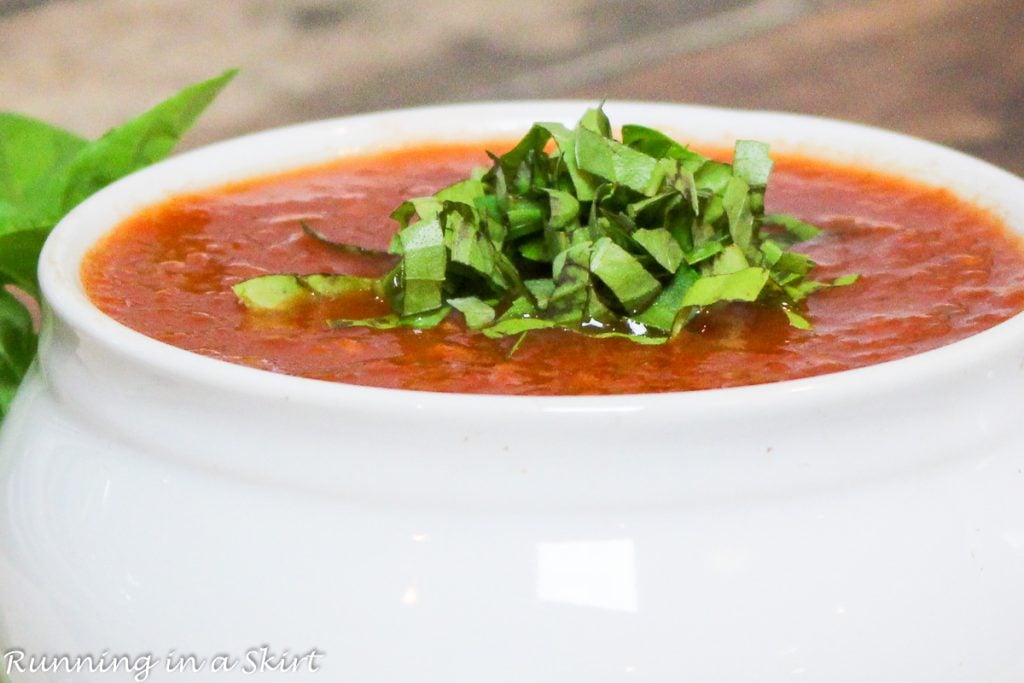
x=947 y=70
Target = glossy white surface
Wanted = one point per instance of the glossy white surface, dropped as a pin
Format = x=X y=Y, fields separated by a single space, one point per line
x=864 y=526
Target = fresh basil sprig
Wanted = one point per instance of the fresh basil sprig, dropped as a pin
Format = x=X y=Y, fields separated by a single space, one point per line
x=44 y=173
x=574 y=229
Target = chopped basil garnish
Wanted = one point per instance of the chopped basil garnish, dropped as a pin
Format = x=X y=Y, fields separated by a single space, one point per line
x=576 y=230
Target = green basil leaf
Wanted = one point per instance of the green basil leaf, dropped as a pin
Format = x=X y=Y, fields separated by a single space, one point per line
x=663 y=314
x=542 y=289
x=617 y=163
x=46 y=171
x=729 y=260
x=467 y=244
x=423 y=266
x=595 y=120
x=632 y=285
x=584 y=184
x=741 y=285
x=17 y=346
x=564 y=209
x=640 y=337
x=281 y=291
x=463 y=192
x=19 y=256
x=660 y=146
x=796 y=320
x=704 y=252
x=712 y=177
x=34 y=157
x=477 y=313
x=142 y=141
x=513 y=326
x=736 y=202
x=845 y=280
x=571 y=275
x=662 y=247
x=420 y=296
x=751 y=163
x=341 y=246
x=423 y=321
x=796 y=227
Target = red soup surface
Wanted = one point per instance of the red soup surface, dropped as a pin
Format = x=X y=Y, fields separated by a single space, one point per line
x=933 y=270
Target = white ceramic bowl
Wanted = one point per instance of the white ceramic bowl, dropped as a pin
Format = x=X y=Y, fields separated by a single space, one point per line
x=860 y=526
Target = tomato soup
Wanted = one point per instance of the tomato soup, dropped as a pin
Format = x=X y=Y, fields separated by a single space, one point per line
x=933 y=269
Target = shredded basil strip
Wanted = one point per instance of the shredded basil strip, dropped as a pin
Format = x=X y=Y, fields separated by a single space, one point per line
x=340 y=246
x=574 y=229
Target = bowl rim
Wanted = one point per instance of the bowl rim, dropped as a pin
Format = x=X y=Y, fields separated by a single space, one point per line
x=64 y=295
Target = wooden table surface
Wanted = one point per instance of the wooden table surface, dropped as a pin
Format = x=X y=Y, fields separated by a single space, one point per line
x=951 y=71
